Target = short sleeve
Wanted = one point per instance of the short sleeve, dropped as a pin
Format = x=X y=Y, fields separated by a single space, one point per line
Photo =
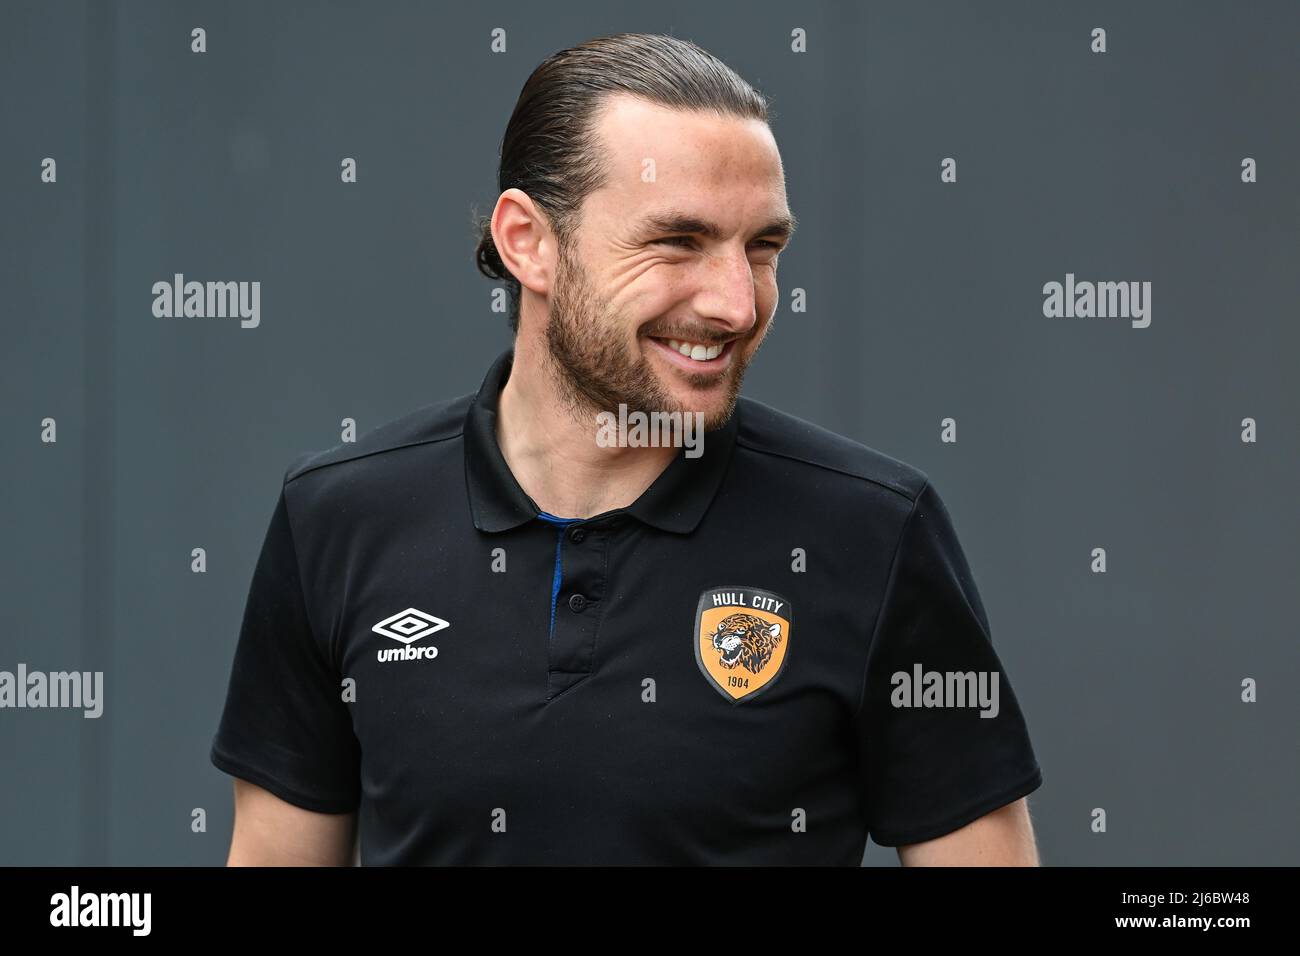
x=285 y=726
x=941 y=736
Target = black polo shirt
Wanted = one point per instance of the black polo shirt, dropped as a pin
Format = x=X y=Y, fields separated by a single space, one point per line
x=703 y=677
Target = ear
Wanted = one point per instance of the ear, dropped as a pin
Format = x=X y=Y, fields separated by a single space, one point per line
x=775 y=630
x=523 y=238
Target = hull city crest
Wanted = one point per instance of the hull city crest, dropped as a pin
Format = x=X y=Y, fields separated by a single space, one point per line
x=742 y=639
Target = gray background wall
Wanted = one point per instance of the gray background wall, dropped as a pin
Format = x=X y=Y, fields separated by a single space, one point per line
x=925 y=301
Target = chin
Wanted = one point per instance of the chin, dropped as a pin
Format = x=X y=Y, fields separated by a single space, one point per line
x=711 y=393
x=713 y=405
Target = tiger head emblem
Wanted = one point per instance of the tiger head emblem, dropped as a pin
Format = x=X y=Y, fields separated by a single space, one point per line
x=746 y=641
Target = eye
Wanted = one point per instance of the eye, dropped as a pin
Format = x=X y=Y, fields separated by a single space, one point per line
x=683 y=242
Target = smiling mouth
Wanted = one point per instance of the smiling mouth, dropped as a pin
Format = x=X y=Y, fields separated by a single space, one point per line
x=694 y=350
x=700 y=356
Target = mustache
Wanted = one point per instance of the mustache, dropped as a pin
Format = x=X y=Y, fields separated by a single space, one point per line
x=706 y=336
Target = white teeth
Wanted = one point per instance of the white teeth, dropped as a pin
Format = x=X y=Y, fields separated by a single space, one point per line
x=700 y=353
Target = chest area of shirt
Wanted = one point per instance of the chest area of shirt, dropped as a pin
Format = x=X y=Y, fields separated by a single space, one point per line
x=526 y=619
x=526 y=666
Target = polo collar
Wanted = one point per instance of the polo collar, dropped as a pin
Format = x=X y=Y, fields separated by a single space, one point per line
x=676 y=501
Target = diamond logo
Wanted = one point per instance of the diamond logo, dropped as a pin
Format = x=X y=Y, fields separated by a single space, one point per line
x=409 y=625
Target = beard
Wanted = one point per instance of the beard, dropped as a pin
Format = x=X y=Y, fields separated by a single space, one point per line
x=594 y=369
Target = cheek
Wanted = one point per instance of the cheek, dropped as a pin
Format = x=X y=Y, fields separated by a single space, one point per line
x=655 y=287
x=655 y=291
x=766 y=290
x=648 y=272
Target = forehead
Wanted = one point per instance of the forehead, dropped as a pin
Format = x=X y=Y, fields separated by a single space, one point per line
x=726 y=165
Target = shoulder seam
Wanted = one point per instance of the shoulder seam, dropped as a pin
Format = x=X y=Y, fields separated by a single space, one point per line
x=832 y=468
x=378 y=451
x=888 y=593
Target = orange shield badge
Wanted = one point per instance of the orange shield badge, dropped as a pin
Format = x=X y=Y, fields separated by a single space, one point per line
x=742 y=639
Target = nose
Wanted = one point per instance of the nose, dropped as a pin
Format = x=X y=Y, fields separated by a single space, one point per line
x=727 y=290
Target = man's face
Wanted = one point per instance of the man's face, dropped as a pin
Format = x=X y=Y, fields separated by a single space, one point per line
x=648 y=308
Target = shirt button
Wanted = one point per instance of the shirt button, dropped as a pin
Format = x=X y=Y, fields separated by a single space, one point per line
x=577 y=602
x=576 y=535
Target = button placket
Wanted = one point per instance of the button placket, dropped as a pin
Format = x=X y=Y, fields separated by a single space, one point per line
x=582 y=586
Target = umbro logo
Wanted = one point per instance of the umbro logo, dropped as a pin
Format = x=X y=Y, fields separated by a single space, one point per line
x=409 y=626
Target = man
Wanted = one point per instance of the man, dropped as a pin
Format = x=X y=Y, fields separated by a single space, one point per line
x=482 y=635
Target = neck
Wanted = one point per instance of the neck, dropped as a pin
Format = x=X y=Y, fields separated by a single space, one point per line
x=551 y=447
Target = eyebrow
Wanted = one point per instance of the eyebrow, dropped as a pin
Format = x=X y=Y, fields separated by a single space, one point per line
x=677 y=222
